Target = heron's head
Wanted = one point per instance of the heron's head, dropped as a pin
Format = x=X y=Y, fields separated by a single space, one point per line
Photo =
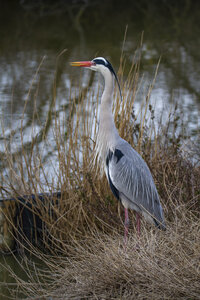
x=99 y=64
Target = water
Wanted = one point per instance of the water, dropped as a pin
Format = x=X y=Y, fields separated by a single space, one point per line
x=33 y=34
x=21 y=266
x=7 y=282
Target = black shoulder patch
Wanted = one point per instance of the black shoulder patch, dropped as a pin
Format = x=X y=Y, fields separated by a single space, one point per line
x=109 y=157
x=118 y=153
x=113 y=188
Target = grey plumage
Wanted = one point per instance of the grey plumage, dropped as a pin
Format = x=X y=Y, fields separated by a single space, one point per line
x=128 y=175
x=132 y=178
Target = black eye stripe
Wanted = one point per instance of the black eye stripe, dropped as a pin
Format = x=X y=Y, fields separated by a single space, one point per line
x=99 y=62
x=105 y=63
x=108 y=65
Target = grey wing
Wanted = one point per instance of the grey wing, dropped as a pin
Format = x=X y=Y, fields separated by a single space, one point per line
x=132 y=180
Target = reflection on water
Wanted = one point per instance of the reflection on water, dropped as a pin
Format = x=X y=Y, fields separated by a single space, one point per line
x=18 y=265
x=33 y=35
x=7 y=282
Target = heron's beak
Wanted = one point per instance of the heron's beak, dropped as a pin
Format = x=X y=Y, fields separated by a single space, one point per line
x=81 y=64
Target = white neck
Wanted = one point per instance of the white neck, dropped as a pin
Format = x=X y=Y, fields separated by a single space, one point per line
x=108 y=134
x=107 y=125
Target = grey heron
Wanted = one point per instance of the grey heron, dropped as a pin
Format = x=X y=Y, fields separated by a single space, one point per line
x=128 y=174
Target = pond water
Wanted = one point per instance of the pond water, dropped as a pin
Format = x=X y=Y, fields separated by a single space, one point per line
x=34 y=33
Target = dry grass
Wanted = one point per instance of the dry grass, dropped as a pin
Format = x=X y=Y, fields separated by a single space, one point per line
x=160 y=265
x=83 y=231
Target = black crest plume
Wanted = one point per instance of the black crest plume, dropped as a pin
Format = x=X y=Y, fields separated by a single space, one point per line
x=106 y=63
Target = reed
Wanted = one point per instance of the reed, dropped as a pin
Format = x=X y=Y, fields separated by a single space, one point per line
x=84 y=257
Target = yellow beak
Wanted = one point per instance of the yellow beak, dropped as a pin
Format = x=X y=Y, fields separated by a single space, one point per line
x=81 y=64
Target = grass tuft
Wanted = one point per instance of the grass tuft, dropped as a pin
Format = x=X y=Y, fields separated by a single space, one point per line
x=83 y=232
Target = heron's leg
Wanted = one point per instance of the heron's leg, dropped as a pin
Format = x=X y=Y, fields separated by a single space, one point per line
x=138 y=223
x=126 y=224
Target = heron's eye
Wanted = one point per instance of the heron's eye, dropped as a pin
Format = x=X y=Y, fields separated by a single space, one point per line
x=94 y=64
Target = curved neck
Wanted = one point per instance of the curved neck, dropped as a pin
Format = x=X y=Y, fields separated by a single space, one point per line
x=107 y=130
x=107 y=135
x=108 y=89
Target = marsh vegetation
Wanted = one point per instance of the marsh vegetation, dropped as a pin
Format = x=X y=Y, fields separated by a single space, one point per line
x=82 y=251
x=48 y=134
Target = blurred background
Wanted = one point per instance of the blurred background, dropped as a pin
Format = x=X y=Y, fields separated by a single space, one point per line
x=40 y=38
x=31 y=31
x=33 y=34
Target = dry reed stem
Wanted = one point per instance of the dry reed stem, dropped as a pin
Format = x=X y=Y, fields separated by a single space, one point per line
x=85 y=224
x=161 y=265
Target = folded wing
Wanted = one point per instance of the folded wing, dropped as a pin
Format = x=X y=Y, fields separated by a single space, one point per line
x=130 y=177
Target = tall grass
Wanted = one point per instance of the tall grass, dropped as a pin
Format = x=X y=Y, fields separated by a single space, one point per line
x=83 y=229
